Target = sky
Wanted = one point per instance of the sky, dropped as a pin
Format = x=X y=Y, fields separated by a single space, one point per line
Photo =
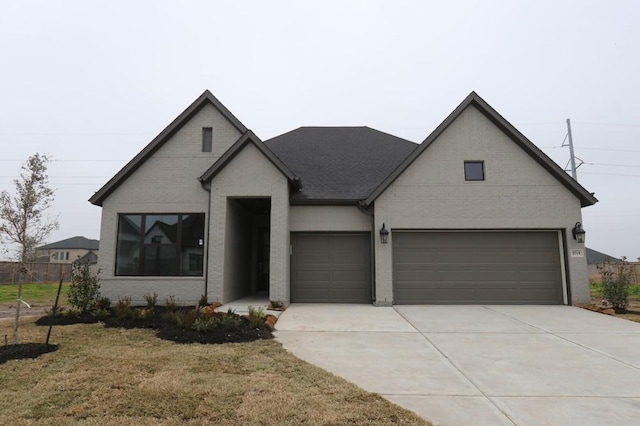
x=91 y=83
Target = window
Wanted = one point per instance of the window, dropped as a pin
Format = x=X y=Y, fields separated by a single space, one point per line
x=61 y=255
x=474 y=170
x=207 y=139
x=160 y=244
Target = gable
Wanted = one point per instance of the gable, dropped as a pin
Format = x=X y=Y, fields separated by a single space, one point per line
x=183 y=138
x=517 y=139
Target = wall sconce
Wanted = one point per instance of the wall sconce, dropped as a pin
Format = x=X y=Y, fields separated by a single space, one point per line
x=578 y=232
x=384 y=235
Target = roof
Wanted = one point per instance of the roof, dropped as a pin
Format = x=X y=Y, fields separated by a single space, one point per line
x=586 y=198
x=594 y=256
x=73 y=243
x=91 y=258
x=339 y=165
x=249 y=137
x=204 y=99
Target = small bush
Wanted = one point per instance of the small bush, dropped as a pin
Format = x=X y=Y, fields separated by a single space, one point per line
x=151 y=299
x=229 y=321
x=144 y=313
x=276 y=305
x=203 y=300
x=122 y=308
x=182 y=319
x=103 y=303
x=206 y=324
x=171 y=304
x=100 y=313
x=616 y=278
x=84 y=290
x=71 y=313
x=256 y=316
x=55 y=311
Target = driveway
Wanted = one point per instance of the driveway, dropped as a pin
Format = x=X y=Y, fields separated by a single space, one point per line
x=492 y=365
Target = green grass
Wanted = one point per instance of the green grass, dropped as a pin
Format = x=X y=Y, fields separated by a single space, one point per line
x=34 y=294
x=634 y=290
x=108 y=376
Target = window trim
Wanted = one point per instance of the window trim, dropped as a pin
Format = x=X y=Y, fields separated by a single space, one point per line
x=468 y=179
x=141 y=245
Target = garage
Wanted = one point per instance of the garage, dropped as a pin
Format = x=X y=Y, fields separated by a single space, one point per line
x=491 y=267
x=331 y=267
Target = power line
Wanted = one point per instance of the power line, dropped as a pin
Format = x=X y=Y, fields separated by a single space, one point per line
x=613 y=165
x=609 y=174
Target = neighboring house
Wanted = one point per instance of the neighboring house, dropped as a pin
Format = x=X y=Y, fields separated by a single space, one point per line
x=476 y=214
x=71 y=250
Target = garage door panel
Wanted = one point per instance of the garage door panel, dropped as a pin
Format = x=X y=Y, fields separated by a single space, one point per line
x=337 y=265
x=477 y=267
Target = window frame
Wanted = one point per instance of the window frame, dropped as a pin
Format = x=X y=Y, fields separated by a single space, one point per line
x=142 y=245
x=470 y=179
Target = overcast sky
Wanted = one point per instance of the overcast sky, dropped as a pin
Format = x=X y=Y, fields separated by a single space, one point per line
x=92 y=84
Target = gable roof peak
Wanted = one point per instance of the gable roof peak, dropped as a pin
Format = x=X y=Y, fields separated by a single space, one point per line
x=586 y=198
x=205 y=98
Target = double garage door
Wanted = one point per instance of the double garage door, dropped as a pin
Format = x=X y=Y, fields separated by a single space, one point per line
x=431 y=267
x=477 y=268
x=331 y=267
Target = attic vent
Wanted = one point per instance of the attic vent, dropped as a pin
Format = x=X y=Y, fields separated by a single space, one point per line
x=207 y=139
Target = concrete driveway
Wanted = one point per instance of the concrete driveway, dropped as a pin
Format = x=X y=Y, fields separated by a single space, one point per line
x=489 y=365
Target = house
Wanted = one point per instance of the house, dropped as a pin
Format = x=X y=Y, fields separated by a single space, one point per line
x=475 y=214
x=71 y=250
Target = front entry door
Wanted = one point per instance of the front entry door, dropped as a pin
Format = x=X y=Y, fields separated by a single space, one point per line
x=263 y=259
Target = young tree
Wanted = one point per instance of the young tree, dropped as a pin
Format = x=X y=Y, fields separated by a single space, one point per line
x=22 y=218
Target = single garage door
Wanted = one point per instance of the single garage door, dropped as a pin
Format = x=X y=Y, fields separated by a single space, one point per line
x=332 y=268
x=476 y=268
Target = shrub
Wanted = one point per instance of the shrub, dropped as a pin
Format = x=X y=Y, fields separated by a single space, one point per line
x=171 y=304
x=204 y=324
x=84 y=289
x=55 y=311
x=100 y=313
x=183 y=319
x=203 y=300
x=122 y=308
x=151 y=299
x=229 y=321
x=616 y=278
x=256 y=316
x=103 y=303
x=276 y=305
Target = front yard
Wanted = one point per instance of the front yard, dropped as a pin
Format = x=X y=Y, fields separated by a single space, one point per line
x=115 y=376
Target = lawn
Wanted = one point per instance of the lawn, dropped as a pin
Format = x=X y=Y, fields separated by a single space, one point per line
x=38 y=294
x=634 y=290
x=119 y=377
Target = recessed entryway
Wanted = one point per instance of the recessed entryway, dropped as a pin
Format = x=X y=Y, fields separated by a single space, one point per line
x=247 y=247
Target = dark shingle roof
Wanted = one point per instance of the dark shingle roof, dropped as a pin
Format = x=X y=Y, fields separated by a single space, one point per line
x=339 y=164
x=91 y=258
x=73 y=243
x=594 y=256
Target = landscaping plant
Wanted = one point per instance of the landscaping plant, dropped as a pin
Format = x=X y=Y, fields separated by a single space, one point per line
x=84 y=290
x=616 y=278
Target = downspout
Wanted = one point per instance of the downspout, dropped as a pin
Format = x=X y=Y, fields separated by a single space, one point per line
x=363 y=209
x=206 y=241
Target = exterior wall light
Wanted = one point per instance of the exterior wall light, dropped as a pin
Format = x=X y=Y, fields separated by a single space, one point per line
x=384 y=235
x=577 y=231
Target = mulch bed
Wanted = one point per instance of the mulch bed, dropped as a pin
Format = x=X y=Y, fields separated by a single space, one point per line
x=244 y=332
x=24 y=351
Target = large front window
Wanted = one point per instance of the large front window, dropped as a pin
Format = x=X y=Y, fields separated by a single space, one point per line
x=160 y=244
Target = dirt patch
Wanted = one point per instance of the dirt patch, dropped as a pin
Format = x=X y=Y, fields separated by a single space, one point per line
x=632 y=313
x=24 y=351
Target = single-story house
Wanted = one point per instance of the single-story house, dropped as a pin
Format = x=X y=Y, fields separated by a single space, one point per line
x=475 y=214
x=70 y=250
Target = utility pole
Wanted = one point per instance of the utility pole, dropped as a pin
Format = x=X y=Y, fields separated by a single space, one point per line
x=572 y=159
